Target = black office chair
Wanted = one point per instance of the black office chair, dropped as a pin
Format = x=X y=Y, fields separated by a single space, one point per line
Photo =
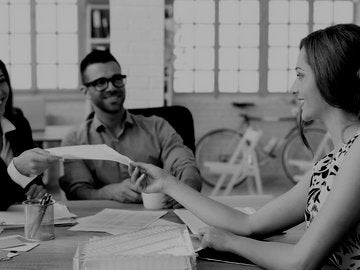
x=179 y=117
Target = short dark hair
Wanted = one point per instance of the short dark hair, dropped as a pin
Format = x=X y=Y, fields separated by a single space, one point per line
x=333 y=54
x=9 y=102
x=96 y=56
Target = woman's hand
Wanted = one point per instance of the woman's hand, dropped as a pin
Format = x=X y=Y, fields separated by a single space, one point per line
x=34 y=161
x=216 y=238
x=149 y=178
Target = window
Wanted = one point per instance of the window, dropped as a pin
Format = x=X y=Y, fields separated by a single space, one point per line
x=230 y=46
x=41 y=51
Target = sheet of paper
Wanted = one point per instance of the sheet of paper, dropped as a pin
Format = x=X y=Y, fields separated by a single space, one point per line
x=93 y=151
x=26 y=245
x=117 y=221
x=15 y=215
x=194 y=223
x=174 y=240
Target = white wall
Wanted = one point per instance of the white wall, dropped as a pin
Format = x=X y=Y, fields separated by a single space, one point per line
x=137 y=41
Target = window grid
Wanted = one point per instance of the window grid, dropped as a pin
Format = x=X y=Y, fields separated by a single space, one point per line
x=22 y=34
x=274 y=75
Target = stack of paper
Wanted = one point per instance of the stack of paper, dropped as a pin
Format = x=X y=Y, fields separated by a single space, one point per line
x=15 y=217
x=117 y=221
x=156 y=247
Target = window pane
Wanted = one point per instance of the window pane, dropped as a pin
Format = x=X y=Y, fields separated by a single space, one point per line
x=68 y=76
x=184 y=58
x=278 y=35
x=278 y=58
x=183 y=81
x=204 y=11
x=184 y=11
x=278 y=11
x=299 y=11
x=249 y=11
x=249 y=35
x=228 y=58
x=4 y=18
x=249 y=81
x=45 y=18
x=229 y=35
x=20 y=49
x=204 y=58
x=4 y=48
x=343 y=12
x=20 y=18
x=20 y=76
x=204 y=81
x=293 y=55
x=277 y=81
x=184 y=36
x=67 y=21
x=249 y=59
x=46 y=76
x=296 y=33
x=229 y=11
x=46 y=49
x=204 y=35
x=323 y=12
x=320 y=26
x=67 y=49
x=228 y=81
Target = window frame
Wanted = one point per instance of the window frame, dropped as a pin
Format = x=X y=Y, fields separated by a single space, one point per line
x=263 y=50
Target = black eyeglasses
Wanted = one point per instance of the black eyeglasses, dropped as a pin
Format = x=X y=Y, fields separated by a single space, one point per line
x=102 y=83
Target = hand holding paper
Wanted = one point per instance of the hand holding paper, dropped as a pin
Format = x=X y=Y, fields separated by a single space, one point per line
x=95 y=151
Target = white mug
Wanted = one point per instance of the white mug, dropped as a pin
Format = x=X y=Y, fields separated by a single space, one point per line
x=153 y=200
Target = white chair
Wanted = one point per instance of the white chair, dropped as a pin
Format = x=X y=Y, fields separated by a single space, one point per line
x=242 y=164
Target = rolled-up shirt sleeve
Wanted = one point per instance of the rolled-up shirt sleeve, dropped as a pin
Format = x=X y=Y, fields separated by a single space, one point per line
x=176 y=157
x=76 y=173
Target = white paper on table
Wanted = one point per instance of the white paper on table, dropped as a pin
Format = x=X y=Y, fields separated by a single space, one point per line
x=194 y=223
x=27 y=244
x=89 y=151
x=15 y=215
x=117 y=221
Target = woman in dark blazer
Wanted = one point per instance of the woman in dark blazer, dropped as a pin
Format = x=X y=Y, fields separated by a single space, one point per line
x=17 y=151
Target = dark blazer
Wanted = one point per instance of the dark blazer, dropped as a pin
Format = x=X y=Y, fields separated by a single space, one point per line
x=20 y=140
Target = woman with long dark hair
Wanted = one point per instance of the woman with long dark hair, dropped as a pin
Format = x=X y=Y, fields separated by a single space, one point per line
x=20 y=162
x=328 y=89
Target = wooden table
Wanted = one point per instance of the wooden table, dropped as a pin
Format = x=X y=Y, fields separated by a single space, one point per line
x=58 y=253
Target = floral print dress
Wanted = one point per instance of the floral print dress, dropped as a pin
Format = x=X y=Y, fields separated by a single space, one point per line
x=347 y=254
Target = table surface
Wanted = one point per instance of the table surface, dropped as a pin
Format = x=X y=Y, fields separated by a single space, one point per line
x=58 y=253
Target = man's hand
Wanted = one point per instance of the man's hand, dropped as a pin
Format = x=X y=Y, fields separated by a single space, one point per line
x=125 y=192
x=34 y=161
x=35 y=192
x=216 y=238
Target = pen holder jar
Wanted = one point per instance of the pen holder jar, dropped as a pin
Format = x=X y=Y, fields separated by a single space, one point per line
x=39 y=220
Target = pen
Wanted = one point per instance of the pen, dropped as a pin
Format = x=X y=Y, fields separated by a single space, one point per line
x=45 y=201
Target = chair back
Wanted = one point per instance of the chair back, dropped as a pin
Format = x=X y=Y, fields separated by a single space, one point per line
x=179 y=117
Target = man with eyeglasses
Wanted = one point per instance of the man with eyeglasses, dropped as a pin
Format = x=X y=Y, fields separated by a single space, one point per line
x=146 y=139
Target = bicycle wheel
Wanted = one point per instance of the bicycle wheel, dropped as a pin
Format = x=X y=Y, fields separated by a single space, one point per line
x=297 y=160
x=217 y=145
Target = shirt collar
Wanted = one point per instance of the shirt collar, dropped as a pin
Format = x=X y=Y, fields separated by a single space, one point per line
x=98 y=126
x=6 y=125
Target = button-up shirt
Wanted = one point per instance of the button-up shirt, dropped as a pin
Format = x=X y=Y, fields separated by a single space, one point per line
x=146 y=139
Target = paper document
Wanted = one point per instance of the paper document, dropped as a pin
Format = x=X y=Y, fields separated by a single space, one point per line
x=93 y=151
x=20 y=243
x=15 y=215
x=117 y=221
x=194 y=223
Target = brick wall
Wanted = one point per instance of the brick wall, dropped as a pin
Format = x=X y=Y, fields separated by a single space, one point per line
x=137 y=41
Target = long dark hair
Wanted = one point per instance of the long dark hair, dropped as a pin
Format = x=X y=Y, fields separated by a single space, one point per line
x=333 y=54
x=9 y=103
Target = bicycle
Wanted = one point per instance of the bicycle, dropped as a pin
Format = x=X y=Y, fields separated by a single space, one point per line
x=296 y=159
